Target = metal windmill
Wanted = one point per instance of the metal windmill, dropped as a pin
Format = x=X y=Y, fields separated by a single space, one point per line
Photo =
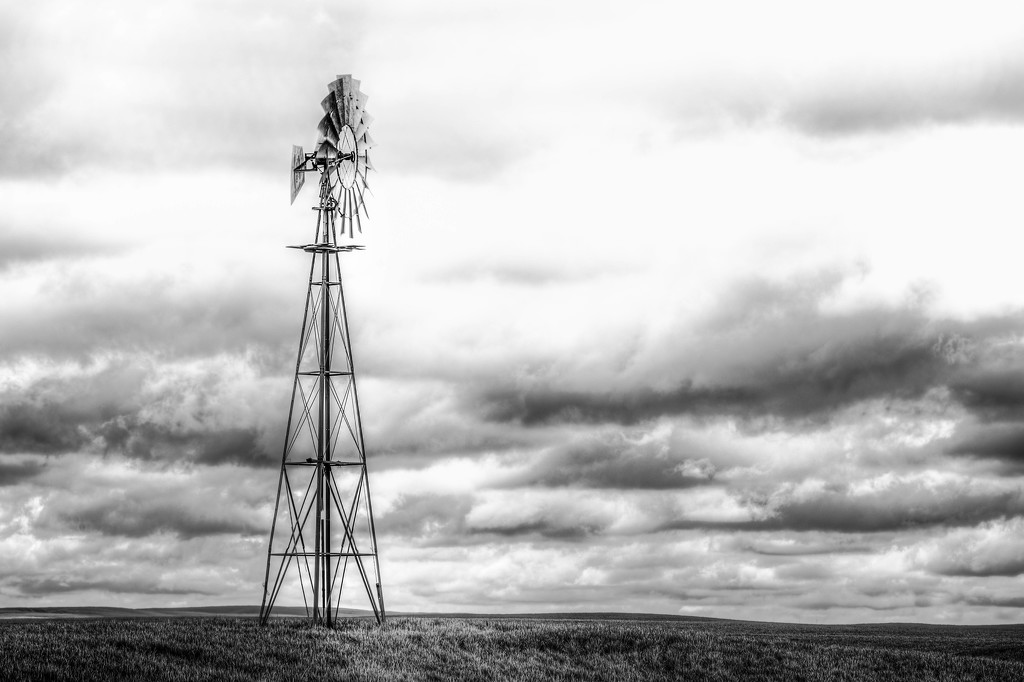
x=323 y=519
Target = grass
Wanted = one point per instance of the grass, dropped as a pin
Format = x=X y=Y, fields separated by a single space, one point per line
x=501 y=649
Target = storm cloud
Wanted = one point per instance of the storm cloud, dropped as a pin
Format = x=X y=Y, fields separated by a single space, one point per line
x=13 y=473
x=770 y=351
x=135 y=519
x=117 y=408
x=1003 y=443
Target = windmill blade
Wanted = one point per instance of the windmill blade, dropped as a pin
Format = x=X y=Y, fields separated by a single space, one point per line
x=364 y=124
x=353 y=84
x=358 y=107
x=348 y=200
x=341 y=89
x=330 y=106
x=343 y=212
x=327 y=129
x=346 y=105
x=355 y=210
x=359 y=194
x=368 y=141
x=352 y=106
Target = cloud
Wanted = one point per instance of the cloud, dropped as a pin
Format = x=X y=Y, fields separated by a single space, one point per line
x=43 y=587
x=55 y=413
x=15 y=473
x=127 y=92
x=773 y=348
x=31 y=428
x=117 y=406
x=135 y=97
x=842 y=360
x=1009 y=601
x=134 y=517
x=885 y=505
x=895 y=508
x=544 y=407
x=851 y=99
x=990 y=387
x=689 y=572
x=49 y=429
x=814 y=385
x=234 y=446
x=992 y=393
x=449 y=145
x=43 y=246
x=408 y=420
x=148 y=441
x=85 y=310
x=990 y=549
x=1001 y=442
x=503 y=271
x=651 y=482
x=425 y=516
x=128 y=571
x=616 y=461
x=545 y=528
x=965 y=93
x=803 y=543
x=96 y=496
x=160 y=529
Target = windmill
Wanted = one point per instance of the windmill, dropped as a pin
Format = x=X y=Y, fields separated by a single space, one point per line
x=322 y=530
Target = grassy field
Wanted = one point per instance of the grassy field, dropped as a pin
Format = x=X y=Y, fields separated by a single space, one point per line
x=228 y=648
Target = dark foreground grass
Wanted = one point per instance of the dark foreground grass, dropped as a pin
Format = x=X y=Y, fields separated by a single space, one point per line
x=502 y=649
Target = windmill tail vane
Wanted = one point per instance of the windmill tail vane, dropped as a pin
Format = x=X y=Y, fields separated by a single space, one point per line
x=323 y=543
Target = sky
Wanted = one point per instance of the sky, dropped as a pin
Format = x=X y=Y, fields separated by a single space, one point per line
x=691 y=308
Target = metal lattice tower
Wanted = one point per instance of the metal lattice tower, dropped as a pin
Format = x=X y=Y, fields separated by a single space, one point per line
x=322 y=531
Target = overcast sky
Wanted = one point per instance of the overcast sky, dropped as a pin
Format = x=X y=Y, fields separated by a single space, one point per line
x=695 y=308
